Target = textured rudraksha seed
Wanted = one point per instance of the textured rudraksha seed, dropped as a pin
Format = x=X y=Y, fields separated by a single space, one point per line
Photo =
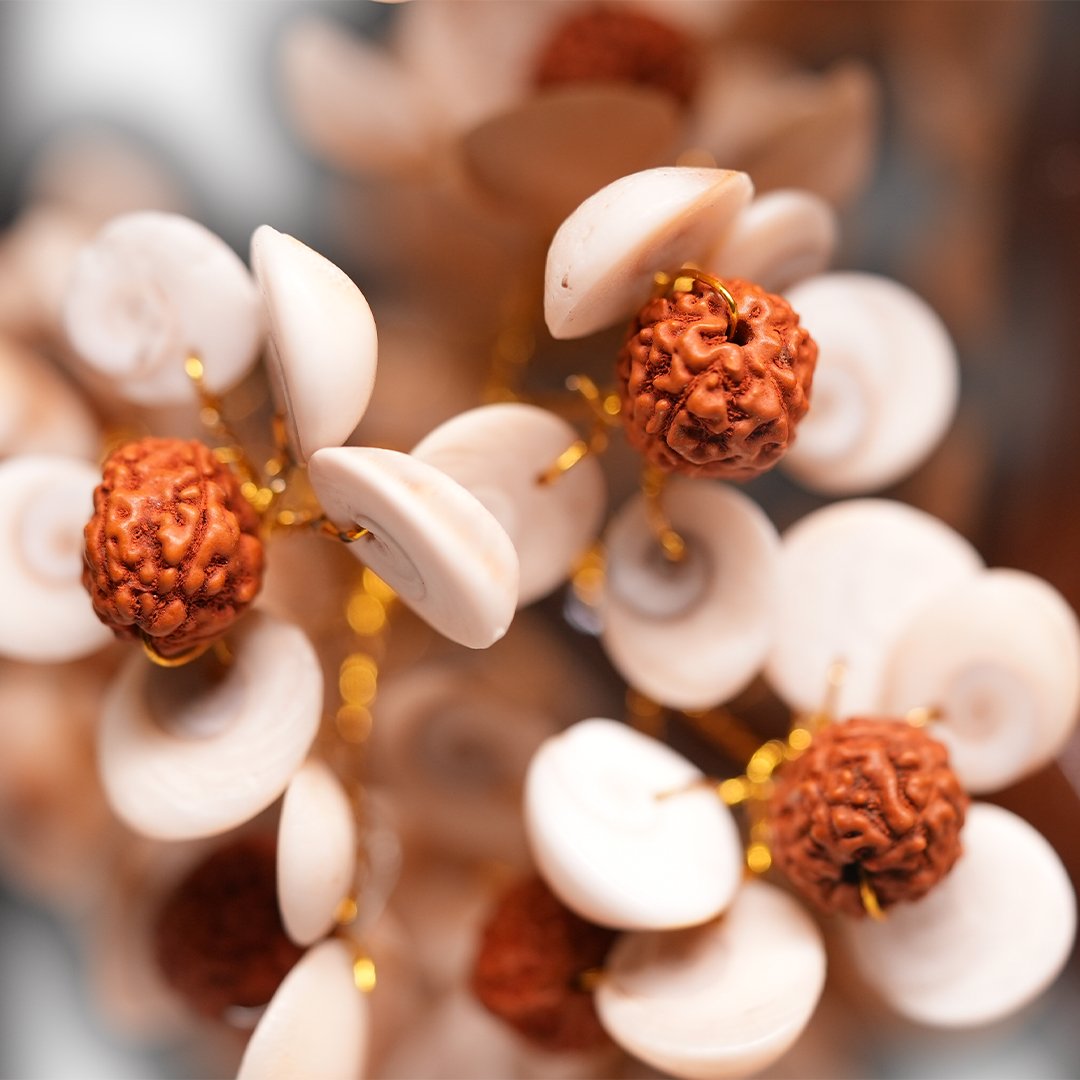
x=701 y=401
x=870 y=801
x=612 y=45
x=173 y=553
x=218 y=938
x=528 y=970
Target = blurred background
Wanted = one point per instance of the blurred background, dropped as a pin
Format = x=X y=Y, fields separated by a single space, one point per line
x=971 y=196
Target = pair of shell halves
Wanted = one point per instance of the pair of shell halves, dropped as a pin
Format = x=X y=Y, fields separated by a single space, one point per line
x=705 y=398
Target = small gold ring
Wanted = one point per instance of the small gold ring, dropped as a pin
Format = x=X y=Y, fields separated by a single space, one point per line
x=684 y=280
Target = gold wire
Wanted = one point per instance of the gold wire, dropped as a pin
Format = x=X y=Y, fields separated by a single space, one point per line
x=671 y=543
x=588 y=980
x=150 y=650
x=212 y=417
x=574 y=453
x=869 y=899
x=683 y=281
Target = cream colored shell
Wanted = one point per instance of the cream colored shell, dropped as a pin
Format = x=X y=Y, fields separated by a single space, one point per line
x=693 y=633
x=601 y=263
x=46 y=616
x=987 y=940
x=316 y=852
x=499 y=453
x=432 y=542
x=852 y=575
x=316 y=1024
x=721 y=1000
x=625 y=833
x=595 y=132
x=453 y=750
x=885 y=387
x=999 y=656
x=150 y=291
x=195 y=751
x=322 y=347
x=779 y=239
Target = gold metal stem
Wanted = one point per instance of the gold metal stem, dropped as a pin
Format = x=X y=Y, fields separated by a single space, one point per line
x=671 y=543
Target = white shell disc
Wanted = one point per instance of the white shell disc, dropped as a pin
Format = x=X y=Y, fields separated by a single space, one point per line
x=499 y=453
x=601 y=263
x=852 y=575
x=999 y=657
x=988 y=939
x=194 y=751
x=432 y=542
x=316 y=852
x=596 y=133
x=779 y=239
x=617 y=838
x=46 y=616
x=885 y=387
x=153 y=289
x=322 y=341
x=694 y=633
x=721 y=1000
x=316 y=1025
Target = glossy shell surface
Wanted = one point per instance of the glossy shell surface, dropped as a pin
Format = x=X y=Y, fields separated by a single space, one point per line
x=322 y=341
x=693 y=633
x=150 y=291
x=317 y=1024
x=622 y=832
x=777 y=240
x=601 y=263
x=885 y=387
x=721 y=1000
x=430 y=540
x=988 y=939
x=316 y=852
x=46 y=615
x=499 y=453
x=194 y=751
x=999 y=657
x=852 y=575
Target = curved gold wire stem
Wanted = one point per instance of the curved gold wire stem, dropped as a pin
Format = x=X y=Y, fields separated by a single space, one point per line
x=869 y=898
x=212 y=417
x=588 y=980
x=683 y=281
x=673 y=546
x=150 y=650
x=605 y=410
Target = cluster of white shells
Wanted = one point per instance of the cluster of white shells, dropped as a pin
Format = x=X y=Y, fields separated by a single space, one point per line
x=715 y=977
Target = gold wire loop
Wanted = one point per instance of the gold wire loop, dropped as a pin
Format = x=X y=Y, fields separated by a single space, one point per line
x=671 y=543
x=683 y=281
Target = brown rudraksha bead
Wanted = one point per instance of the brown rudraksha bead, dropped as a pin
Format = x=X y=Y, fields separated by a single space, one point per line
x=613 y=45
x=218 y=938
x=173 y=553
x=870 y=801
x=532 y=955
x=701 y=401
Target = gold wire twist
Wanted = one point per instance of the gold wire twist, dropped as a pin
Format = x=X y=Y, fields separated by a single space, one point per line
x=212 y=417
x=605 y=410
x=653 y=481
x=683 y=281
